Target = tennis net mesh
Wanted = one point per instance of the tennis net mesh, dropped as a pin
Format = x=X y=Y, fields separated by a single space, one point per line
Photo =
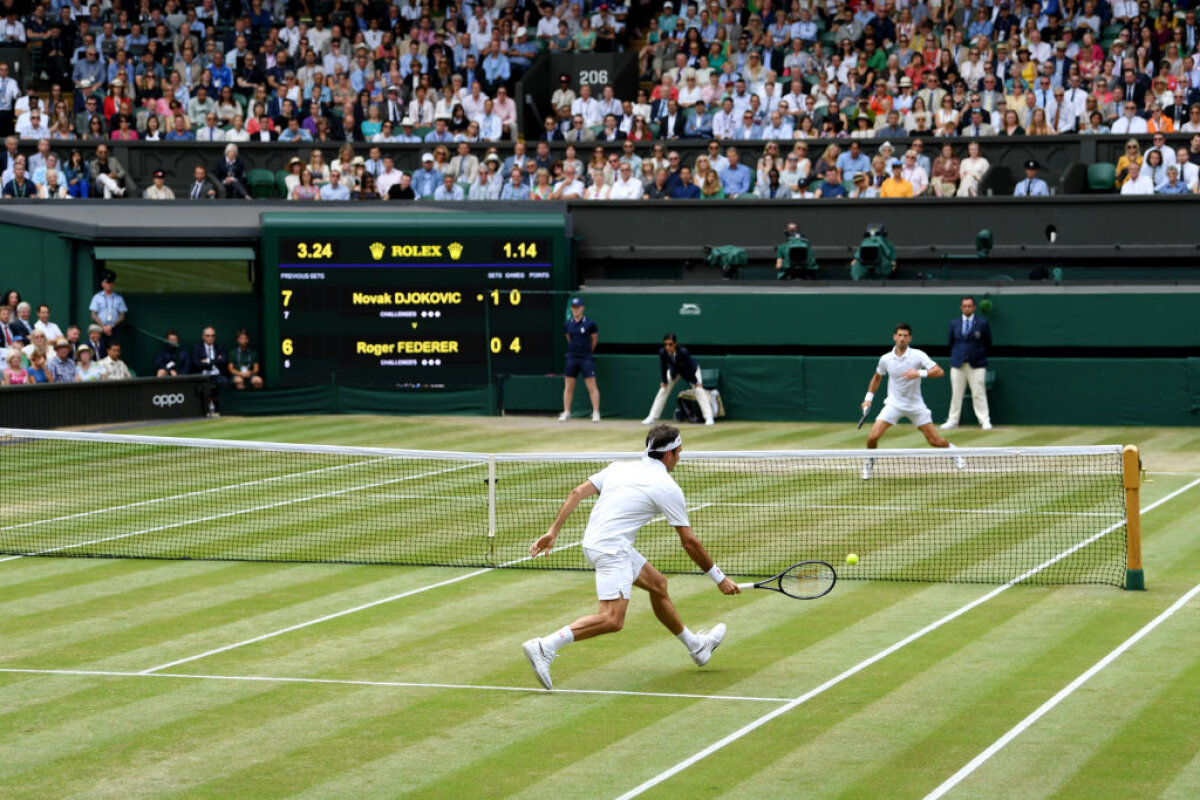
x=969 y=515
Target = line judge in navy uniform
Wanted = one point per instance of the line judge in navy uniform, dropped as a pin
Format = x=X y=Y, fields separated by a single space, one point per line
x=581 y=348
x=675 y=362
x=970 y=341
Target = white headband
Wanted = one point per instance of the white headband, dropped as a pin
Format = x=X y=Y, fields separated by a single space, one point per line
x=666 y=448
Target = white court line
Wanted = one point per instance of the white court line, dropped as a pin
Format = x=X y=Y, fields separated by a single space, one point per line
x=882 y=654
x=362 y=607
x=400 y=684
x=1063 y=694
x=235 y=513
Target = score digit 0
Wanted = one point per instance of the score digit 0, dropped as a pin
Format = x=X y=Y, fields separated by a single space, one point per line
x=496 y=345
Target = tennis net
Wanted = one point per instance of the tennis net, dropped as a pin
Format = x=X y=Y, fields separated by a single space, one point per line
x=968 y=515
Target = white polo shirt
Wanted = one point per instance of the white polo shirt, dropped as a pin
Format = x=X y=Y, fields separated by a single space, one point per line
x=631 y=494
x=904 y=394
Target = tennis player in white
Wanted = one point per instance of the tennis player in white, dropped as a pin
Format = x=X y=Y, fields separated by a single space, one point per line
x=904 y=367
x=631 y=494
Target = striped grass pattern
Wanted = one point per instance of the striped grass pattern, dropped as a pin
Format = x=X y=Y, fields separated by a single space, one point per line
x=429 y=695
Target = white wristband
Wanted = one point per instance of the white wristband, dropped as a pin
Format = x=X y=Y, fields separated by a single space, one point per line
x=869 y=397
x=924 y=373
x=716 y=574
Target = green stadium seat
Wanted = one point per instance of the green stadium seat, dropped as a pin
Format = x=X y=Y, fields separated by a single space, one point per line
x=262 y=183
x=1112 y=31
x=281 y=182
x=1102 y=178
x=421 y=131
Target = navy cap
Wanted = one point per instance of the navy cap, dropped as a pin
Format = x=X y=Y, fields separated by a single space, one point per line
x=576 y=301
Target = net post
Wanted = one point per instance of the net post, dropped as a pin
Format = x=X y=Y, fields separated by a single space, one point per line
x=1131 y=463
x=491 y=482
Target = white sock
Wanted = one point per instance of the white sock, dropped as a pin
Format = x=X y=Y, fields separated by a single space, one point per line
x=690 y=640
x=559 y=639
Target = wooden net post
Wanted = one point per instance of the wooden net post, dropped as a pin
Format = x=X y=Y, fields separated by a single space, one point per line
x=1131 y=463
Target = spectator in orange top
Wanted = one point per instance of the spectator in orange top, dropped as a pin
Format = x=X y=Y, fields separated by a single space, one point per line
x=896 y=186
x=1159 y=122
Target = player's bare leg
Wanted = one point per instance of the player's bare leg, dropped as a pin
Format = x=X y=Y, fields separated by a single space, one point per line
x=609 y=619
x=877 y=430
x=568 y=396
x=655 y=583
x=542 y=652
x=935 y=439
x=700 y=645
x=594 y=394
x=931 y=435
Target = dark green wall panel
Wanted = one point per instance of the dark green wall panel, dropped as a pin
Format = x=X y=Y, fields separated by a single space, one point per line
x=1098 y=319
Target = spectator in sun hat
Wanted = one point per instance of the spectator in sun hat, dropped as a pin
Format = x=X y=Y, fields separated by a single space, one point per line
x=159 y=189
x=62 y=366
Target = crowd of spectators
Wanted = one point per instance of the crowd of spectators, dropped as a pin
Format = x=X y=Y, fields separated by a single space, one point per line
x=442 y=74
x=35 y=349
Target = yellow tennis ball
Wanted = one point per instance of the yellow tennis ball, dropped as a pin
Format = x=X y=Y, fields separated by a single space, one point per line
x=852 y=559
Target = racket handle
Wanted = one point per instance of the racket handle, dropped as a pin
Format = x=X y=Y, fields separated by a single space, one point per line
x=745 y=585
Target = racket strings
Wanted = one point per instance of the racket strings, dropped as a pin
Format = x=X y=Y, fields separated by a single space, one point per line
x=808 y=580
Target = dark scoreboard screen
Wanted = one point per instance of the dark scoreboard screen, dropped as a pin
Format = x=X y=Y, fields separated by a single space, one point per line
x=423 y=304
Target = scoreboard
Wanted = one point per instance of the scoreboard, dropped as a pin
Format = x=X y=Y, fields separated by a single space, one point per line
x=415 y=301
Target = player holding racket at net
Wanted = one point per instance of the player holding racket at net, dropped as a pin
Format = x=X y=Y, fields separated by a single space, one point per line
x=631 y=494
x=904 y=367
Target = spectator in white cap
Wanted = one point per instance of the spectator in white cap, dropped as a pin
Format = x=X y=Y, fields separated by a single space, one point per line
x=426 y=180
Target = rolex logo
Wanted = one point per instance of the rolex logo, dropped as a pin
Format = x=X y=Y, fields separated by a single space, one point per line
x=455 y=250
x=377 y=250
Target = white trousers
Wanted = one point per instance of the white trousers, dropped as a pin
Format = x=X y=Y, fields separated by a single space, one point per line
x=111 y=187
x=660 y=400
x=960 y=378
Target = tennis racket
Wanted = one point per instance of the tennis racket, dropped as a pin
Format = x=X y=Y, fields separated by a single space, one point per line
x=807 y=580
x=863 y=418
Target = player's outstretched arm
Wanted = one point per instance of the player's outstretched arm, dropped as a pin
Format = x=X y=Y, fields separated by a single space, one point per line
x=696 y=552
x=873 y=387
x=577 y=495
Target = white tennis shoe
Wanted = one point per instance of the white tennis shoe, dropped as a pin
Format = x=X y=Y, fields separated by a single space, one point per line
x=987 y=426
x=540 y=660
x=649 y=421
x=959 y=462
x=709 y=641
x=595 y=416
x=949 y=426
x=564 y=416
x=868 y=468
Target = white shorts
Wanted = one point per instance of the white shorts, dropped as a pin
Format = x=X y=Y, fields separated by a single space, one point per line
x=892 y=415
x=615 y=572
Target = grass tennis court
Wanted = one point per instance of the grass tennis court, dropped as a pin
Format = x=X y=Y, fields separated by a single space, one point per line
x=313 y=680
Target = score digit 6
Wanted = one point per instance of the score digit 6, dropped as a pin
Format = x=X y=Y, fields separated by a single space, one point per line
x=288 y=348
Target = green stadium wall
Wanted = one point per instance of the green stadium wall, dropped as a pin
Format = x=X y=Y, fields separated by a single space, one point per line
x=1026 y=391
x=1089 y=317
